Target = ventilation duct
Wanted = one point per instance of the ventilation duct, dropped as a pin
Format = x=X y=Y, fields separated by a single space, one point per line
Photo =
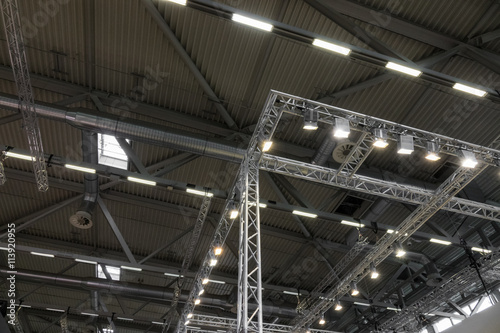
x=324 y=151
x=138 y=290
x=83 y=216
x=136 y=130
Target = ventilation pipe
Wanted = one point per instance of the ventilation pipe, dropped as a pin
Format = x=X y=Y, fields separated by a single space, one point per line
x=324 y=151
x=136 y=130
x=83 y=216
x=138 y=290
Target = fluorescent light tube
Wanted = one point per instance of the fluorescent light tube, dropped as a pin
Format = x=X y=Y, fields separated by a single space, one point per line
x=141 y=181
x=362 y=304
x=173 y=275
x=290 y=293
x=127 y=319
x=56 y=310
x=478 y=249
x=298 y=212
x=266 y=145
x=19 y=156
x=156 y=322
x=403 y=69
x=86 y=261
x=470 y=90
x=216 y=281
x=42 y=254
x=89 y=314
x=79 y=168
x=252 y=22
x=439 y=241
x=132 y=268
x=4 y=248
x=179 y=2
x=25 y=306
x=352 y=224
x=331 y=47
x=198 y=192
x=393 y=309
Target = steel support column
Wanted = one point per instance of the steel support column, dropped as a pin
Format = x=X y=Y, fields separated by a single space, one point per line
x=249 y=265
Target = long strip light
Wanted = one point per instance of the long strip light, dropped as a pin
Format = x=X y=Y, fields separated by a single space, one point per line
x=127 y=319
x=252 y=22
x=19 y=156
x=290 y=292
x=470 y=90
x=137 y=269
x=331 y=47
x=79 y=168
x=439 y=241
x=403 y=69
x=173 y=275
x=141 y=181
x=56 y=310
x=353 y=224
x=478 y=249
x=42 y=254
x=179 y=2
x=301 y=213
x=198 y=192
x=86 y=261
x=89 y=314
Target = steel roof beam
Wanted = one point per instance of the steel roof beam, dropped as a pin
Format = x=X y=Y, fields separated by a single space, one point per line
x=172 y=38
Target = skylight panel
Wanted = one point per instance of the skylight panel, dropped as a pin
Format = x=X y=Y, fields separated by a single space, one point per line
x=110 y=152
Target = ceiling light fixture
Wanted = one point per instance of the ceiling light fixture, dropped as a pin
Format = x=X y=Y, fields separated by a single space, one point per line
x=201 y=292
x=380 y=138
x=332 y=47
x=290 y=292
x=338 y=306
x=403 y=69
x=197 y=301
x=390 y=231
x=266 y=145
x=42 y=254
x=213 y=262
x=353 y=224
x=252 y=22
x=374 y=273
x=89 y=314
x=79 y=168
x=233 y=212
x=342 y=128
x=400 y=252
x=141 y=181
x=354 y=289
x=322 y=320
x=218 y=250
x=439 y=241
x=470 y=90
x=310 y=119
x=198 y=192
x=478 y=249
x=56 y=310
x=301 y=213
x=432 y=151
x=405 y=144
x=86 y=261
x=469 y=159
x=132 y=268
x=189 y=315
x=19 y=156
x=205 y=281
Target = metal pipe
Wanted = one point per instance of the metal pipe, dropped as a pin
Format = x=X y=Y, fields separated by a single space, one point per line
x=137 y=290
x=137 y=130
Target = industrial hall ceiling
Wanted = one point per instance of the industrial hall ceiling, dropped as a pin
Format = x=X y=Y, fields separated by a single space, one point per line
x=147 y=109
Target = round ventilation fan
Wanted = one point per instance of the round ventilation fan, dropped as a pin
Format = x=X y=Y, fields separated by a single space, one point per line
x=342 y=150
x=81 y=220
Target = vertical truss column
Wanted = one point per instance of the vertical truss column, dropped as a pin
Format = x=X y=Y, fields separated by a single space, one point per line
x=12 y=23
x=250 y=273
x=358 y=155
x=188 y=256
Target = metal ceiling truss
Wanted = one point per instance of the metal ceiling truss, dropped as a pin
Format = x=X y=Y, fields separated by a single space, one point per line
x=366 y=124
x=357 y=155
x=188 y=257
x=463 y=282
x=384 y=246
x=17 y=53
